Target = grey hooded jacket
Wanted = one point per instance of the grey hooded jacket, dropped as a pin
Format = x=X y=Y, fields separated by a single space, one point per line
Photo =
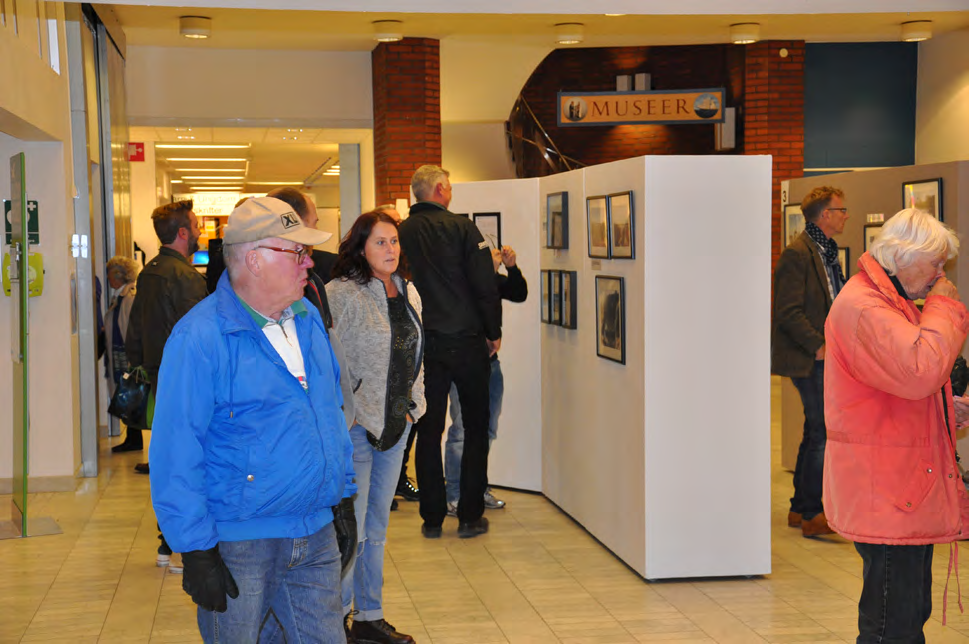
x=361 y=321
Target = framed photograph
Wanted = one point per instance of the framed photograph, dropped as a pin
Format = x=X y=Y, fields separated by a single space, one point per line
x=556 y=291
x=793 y=223
x=843 y=258
x=871 y=232
x=557 y=220
x=621 y=228
x=597 y=216
x=924 y=195
x=610 y=318
x=489 y=223
x=546 y=302
x=569 y=284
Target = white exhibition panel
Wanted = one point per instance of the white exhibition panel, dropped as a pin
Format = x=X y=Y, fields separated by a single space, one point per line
x=516 y=456
x=593 y=414
x=707 y=365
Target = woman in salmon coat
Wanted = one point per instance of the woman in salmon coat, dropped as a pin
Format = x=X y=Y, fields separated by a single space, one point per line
x=891 y=483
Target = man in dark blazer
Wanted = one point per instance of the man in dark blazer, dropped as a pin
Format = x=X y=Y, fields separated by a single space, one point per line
x=807 y=279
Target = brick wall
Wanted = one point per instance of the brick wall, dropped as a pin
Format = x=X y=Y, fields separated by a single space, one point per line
x=774 y=117
x=406 y=112
x=595 y=69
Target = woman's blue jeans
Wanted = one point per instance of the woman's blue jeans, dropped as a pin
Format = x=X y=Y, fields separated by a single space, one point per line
x=377 y=475
x=896 y=599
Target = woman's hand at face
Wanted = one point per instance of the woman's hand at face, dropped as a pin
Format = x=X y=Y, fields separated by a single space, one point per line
x=946 y=288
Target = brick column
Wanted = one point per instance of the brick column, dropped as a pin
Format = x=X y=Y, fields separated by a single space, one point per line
x=774 y=116
x=406 y=113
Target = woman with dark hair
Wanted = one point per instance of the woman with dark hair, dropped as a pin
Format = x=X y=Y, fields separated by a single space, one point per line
x=377 y=317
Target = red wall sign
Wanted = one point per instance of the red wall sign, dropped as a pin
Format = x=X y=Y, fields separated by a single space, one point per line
x=136 y=152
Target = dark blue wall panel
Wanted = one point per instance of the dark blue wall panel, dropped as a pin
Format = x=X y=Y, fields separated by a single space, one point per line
x=859 y=104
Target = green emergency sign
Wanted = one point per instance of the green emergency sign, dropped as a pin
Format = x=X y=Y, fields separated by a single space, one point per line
x=33 y=222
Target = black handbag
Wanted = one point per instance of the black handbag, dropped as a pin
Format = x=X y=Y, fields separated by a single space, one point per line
x=130 y=399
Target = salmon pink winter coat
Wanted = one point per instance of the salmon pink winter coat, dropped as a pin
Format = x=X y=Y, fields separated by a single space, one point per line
x=890 y=473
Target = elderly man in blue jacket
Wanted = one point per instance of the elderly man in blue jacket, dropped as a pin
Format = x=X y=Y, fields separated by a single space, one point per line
x=252 y=468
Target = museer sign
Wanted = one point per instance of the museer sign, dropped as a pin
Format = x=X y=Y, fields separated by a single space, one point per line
x=624 y=108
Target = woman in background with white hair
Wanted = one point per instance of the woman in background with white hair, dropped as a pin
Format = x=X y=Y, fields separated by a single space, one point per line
x=891 y=483
x=122 y=274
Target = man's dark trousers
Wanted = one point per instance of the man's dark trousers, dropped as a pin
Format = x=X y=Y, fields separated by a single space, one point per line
x=462 y=360
x=808 y=472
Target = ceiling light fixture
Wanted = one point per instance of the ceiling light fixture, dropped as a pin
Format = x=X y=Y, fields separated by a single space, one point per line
x=274 y=183
x=207 y=170
x=916 y=30
x=222 y=179
x=388 y=30
x=193 y=160
x=227 y=189
x=177 y=181
x=744 y=33
x=193 y=146
x=569 y=33
x=195 y=26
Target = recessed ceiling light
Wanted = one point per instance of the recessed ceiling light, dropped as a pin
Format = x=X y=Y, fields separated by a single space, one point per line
x=916 y=30
x=613 y=15
x=180 y=146
x=274 y=183
x=193 y=160
x=388 y=30
x=207 y=170
x=177 y=181
x=744 y=33
x=206 y=178
x=195 y=27
x=569 y=33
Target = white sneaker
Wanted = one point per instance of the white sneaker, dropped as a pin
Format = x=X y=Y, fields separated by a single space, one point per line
x=162 y=560
x=491 y=502
x=452 y=509
x=175 y=566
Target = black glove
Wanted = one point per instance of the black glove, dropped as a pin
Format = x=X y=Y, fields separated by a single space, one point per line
x=207 y=579
x=345 y=524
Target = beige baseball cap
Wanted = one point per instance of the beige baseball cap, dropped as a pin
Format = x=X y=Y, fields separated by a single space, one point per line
x=264 y=217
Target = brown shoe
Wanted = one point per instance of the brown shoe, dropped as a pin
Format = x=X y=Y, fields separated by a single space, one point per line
x=816 y=527
x=793 y=519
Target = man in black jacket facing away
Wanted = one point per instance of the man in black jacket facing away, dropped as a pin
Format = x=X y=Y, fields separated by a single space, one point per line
x=451 y=266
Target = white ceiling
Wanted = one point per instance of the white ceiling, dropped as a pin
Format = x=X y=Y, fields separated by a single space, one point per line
x=353 y=31
x=273 y=155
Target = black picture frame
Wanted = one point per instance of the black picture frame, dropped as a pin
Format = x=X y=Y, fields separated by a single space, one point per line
x=844 y=258
x=926 y=195
x=871 y=231
x=555 y=294
x=622 y=226
x=489 y=224
x=570 y=284
x=546 y=302
x=557 y=220
x=597 y=226
x=611 y=318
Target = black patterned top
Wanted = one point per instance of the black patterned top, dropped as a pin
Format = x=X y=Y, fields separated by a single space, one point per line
x=400 y=377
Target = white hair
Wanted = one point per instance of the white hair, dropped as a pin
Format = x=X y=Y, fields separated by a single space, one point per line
x=912 y=233
x=426 y=179
x=235 y=255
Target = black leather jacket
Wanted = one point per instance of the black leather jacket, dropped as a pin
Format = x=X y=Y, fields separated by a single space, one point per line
x=168 y=288
x=451 y=266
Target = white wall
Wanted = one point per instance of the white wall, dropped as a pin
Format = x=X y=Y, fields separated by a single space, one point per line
x=35 y=119
x=330 y=89
x=476 y=152
x=144 y=199
x=942 y=112
x=515 y=459
x=707 y=358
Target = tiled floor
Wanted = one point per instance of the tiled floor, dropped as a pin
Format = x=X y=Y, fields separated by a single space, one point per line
x=536 y=578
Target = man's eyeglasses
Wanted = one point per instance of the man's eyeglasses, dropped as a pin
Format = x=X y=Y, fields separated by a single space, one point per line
x=842 y=210
x=301 y=253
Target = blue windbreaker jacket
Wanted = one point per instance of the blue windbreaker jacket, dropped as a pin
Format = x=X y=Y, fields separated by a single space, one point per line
x=239 y=450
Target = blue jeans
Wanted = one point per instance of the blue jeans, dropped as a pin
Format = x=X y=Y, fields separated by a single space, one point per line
x=810 y=456
x=287 y=587
x=454 y=447
x=896 y=599
x=377 y=474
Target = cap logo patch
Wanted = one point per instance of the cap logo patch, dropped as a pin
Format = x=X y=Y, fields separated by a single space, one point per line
x=289 y=220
